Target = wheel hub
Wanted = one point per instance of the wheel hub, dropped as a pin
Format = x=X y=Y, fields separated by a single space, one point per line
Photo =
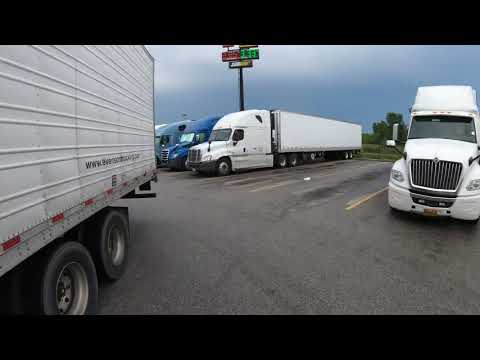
x=116 y=245
x=72 y=290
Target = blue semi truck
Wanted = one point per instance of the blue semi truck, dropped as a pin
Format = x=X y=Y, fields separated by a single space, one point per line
x=190 y=133
x=166 y=137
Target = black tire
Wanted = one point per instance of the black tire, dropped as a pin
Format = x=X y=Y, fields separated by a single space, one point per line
x=282 y=161
x=108 y=242
x=311 y=156
x=69 y=260
x=292 y=160
x=224 y=167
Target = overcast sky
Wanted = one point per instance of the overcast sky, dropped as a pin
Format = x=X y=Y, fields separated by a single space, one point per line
x=354 y=83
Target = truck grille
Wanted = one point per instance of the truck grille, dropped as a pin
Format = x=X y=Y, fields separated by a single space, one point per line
x=441 y=175
x=194 y=155
x=165 y=155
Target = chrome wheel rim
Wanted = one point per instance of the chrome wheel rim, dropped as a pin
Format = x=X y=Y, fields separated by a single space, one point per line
x=223 y=167
x=116 y=245
x=72 y=290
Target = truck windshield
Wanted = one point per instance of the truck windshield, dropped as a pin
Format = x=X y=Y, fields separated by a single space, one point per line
x=220 y=135
x=459 y=128
x=186 y=138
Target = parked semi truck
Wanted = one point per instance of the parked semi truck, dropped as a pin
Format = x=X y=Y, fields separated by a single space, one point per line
x=77 y=134
x=262 y=138
x=168 y=137
x=196 y=132
x=160 y=141
x=439 y=172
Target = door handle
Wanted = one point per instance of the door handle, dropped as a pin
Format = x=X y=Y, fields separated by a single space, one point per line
x=243 y=149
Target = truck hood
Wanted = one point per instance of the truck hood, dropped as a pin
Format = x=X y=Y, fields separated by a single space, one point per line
x=213 y=146
x=443 y=149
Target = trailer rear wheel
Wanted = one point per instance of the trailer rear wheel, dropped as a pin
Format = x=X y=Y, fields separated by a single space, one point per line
x=292 y=160
x=282 y=161
x=311 y=156
x=109 y=244
x=69 y=283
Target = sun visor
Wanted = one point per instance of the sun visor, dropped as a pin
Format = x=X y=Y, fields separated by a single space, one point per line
x=446 y=98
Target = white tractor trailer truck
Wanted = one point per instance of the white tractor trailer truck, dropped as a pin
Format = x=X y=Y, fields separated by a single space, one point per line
x=439 y=172
x=77 y=134
x=262 y=138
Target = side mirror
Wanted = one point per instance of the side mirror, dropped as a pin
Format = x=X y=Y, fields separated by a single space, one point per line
x=390 y=143
x=235 y=143
x=395 y=132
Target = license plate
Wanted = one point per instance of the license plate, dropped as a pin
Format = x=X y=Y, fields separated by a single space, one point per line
x=431 y=212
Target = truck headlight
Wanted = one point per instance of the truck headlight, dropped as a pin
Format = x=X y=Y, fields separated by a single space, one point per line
x=207 y=158
x=474 y=185
x=397 y=175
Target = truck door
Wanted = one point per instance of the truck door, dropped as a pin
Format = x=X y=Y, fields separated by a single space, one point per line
x=259 y=143
x=239 y=149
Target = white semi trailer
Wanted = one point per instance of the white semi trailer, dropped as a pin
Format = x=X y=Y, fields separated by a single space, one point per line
x=77 y=134
x=262 y=138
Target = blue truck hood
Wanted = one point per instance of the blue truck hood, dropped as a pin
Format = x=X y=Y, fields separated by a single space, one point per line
x=179 y=150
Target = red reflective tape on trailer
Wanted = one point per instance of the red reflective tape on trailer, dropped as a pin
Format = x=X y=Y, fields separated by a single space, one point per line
x=89 y=202
x=11 y=243
x=57 y=218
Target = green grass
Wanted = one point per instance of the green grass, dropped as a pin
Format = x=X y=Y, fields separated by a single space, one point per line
x=379 y=152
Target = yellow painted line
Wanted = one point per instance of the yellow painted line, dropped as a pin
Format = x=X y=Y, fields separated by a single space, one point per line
x=365 y=199
x=269 y=187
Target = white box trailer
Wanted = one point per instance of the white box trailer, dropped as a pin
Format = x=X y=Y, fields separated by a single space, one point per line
x=306 y=133
x=261 y=138
x=77 y=134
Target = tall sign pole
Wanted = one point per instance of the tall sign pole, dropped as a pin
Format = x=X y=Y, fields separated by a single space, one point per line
x=238 y=59
x=240 y=81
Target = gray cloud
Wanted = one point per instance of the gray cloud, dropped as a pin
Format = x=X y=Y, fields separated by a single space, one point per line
x=359 y=83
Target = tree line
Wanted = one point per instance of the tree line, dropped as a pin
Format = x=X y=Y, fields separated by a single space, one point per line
x=382 y=130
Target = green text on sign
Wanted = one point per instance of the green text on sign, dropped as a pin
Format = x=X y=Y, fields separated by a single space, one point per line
x=249 y=54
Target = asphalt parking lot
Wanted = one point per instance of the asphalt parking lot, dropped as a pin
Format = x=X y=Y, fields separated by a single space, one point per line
x=315 y=239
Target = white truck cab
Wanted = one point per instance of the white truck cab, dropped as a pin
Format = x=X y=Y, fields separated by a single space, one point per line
x=238 y=140
x=439 y=172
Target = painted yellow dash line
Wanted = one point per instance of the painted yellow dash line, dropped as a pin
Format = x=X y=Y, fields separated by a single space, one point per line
x=365 y=199
x=269 y=187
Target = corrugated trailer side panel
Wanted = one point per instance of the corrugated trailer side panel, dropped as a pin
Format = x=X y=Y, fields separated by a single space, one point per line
x=75 y=121
x=298 y=132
